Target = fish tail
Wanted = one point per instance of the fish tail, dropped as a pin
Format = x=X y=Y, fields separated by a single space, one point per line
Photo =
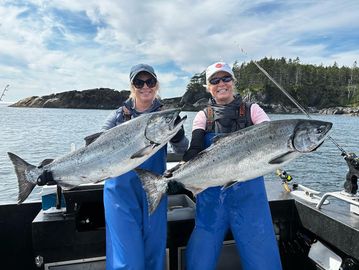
x=25 y=186
x=154 y=185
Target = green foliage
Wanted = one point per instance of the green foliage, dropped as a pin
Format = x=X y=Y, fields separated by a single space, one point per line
x=196 y=83
x=310 y=85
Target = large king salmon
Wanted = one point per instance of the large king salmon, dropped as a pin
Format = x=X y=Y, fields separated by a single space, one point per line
x=240 y=156
x=117 y=151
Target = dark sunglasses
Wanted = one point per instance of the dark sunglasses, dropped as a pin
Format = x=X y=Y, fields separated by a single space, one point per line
x=140 y=83
x=224 y=79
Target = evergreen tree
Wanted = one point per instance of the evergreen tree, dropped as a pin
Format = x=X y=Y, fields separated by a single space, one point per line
x=310 y=85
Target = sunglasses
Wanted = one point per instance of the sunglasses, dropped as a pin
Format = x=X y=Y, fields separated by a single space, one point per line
x=224 y=79
x=140 y=83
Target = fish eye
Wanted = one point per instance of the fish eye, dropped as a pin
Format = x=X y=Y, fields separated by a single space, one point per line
x=168 y=119
x=320 y=129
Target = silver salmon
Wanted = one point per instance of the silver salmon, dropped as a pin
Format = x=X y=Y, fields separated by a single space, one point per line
x=117 y=151
x=241 y=156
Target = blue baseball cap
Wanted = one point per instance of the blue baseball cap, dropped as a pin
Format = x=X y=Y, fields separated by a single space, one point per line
x=141 y=68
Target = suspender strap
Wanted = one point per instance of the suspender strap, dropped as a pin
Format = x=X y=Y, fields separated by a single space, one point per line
x=210 y=118
x=126 y=114
x=242 y=119
x=242 y=109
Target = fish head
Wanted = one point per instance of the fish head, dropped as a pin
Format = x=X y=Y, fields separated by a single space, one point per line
x=163 y=125
x=308 y=135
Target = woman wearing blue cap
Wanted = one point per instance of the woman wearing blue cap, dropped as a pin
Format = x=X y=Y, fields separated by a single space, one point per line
x=135 y=239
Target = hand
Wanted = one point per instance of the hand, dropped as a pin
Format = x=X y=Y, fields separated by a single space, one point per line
x=174 y=187
x=180 y=134
x=45 y=178
x=178 y=137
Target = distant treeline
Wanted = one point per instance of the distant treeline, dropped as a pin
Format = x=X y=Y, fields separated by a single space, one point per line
x=311 y=85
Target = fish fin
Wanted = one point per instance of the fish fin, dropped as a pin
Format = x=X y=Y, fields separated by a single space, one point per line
x=98 y=181
x=45 y=162
x=282 y=158
x=229 y=184
x=91 y=138
x=66 y=186
x=217 y=138
x=25 y=187
x=144 y=151
x=154 y=185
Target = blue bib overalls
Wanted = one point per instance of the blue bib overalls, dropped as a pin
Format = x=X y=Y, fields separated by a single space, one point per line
x=134 y=239
x=244 y=209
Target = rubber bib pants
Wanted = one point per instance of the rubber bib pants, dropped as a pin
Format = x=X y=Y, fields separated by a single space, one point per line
x=244 y=209
x=135 y=240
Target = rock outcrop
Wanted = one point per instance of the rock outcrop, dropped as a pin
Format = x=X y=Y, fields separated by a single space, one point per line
x=99 y=98
x=192 y=100
x=105 y=98
x=341 y=110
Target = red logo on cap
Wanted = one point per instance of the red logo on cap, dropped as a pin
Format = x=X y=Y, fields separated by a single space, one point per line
x=219 y=65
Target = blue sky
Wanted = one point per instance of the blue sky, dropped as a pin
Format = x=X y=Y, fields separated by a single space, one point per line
x=54 y=46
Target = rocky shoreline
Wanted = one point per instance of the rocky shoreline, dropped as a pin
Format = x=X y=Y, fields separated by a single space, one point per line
x=106 y=98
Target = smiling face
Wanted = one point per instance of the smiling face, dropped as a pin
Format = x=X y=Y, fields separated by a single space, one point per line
x=145 y=92
x=223 y=91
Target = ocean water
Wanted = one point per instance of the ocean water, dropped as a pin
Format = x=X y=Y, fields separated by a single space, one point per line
x=35 y=134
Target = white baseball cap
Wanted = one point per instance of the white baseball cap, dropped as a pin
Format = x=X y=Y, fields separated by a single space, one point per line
x=217 y=67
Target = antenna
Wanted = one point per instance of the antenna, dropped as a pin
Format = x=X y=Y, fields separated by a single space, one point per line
x=3 y=91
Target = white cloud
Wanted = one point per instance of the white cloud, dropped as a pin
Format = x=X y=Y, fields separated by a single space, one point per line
x=51 y=46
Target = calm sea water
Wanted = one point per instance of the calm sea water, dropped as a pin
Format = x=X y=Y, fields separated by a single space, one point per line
x=36 y=134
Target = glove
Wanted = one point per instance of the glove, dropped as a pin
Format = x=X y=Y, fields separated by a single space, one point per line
x=45 y=178
x=174 y=187
x=178 y=137
x=180 y=134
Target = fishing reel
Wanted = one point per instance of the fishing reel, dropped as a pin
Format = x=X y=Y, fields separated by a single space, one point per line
x=285 y=177
x=351 y=180
x=352 y=159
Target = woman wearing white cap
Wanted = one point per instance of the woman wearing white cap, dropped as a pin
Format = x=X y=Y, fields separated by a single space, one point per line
x=135 y=239
x=243 y=207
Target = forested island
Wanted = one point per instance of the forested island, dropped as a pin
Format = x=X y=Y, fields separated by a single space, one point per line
x=324 y=89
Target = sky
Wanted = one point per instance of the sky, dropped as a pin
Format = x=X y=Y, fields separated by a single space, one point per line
x=54 y=46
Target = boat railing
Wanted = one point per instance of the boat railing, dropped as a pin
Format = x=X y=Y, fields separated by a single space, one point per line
x=353 y=200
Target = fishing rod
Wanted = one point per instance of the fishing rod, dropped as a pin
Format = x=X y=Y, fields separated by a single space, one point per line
x=296 y=103
x=3 y=92
x=352 y=160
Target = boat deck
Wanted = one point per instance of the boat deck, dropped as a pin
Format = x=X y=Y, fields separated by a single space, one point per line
x=80 y=234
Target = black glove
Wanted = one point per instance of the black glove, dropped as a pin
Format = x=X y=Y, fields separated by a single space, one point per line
x=174 y=187
x=180 y=134
x=45 y=178
x=197 y=144
x=178 y=137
